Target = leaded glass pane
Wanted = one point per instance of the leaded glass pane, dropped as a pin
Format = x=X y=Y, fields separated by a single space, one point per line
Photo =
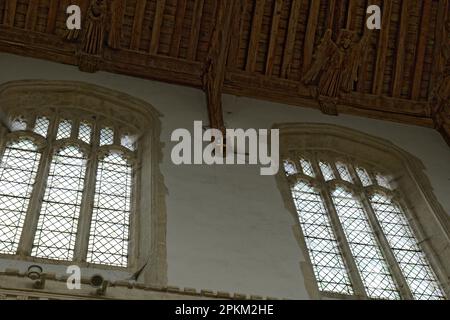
x=64 y=129
x=344 y=172
x=127 y=141
x=323 y=248
x=106 y=136
x=412 y=261
x=383 y=181
x=108 y=241
x=307 y=167
x=18 y=171
x=371 y=264
x=363 y=176
x=289 y=168
x=84 y=132
x=58 y=220
x=327 y=171
x=41 y=126
x=18 y=124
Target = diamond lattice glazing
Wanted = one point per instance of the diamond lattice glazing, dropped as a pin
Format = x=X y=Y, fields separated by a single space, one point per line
x=57 y=227
x=323 y=248
x=18 y=171
x=413 y=263
x=108 y=243
x=371 y=264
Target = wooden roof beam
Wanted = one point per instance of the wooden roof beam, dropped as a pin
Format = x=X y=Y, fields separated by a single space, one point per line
x=214 y=76
x=421 y=48
x=195 y=31
x=10 y=12
x=157 y=23
x=401 y=46
x=258 y=15
x=178 y=29
x=31 y=18
x=273 y=36
x=331 y=12
x=377 y=87
x=351 y=12
x=443 y=9
x=52 y=13
x=238 y=28
x=137 y=24
x=290 y=39
x=310 y=36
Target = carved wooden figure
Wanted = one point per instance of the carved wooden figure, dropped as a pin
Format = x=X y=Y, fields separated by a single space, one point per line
x=95 y=28
x=335 y=67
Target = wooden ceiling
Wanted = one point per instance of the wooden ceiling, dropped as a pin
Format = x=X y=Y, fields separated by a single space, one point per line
x=253 y=48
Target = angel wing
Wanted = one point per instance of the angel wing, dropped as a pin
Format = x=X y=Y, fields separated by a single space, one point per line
x=324 y=52
x=354 y=62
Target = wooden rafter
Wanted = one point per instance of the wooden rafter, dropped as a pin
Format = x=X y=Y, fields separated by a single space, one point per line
x=290 y=39
x=195 y=30
x=214 y=76
x=331 y=13
x=350 y=23
x=137 y=24
x=30 y=20
x=310 y=34
x=10 y=12
x=382 y=48
x=273 y=36
x=178 y=29
x=237 y=32
x=401 y=47
x=255 y=34
x=443 y=15
x=421 y=47
x=157 y=23
x=52 y=13
x=363 y=73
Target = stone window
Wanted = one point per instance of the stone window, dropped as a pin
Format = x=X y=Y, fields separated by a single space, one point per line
x=358 y=229
x=73 y=157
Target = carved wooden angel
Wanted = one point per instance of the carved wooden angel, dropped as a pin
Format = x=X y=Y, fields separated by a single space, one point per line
x=103 y=20
x=95 y=28
x=335 y=65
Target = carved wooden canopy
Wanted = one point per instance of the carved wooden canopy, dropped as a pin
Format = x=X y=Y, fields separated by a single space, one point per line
x=255 y=48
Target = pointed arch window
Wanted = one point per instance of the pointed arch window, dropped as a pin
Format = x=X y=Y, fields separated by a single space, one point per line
x=369 y=223
x=340 y=199
x=66 y=188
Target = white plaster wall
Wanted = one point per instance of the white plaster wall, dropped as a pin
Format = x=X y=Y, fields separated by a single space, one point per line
x=228 y=229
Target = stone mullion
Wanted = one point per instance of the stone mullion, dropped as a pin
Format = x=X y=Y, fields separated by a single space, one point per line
x=87 y=203
x=383 y=244
x=3 y=133
x=135 y=209
x=355 y=278
x=37 y=196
